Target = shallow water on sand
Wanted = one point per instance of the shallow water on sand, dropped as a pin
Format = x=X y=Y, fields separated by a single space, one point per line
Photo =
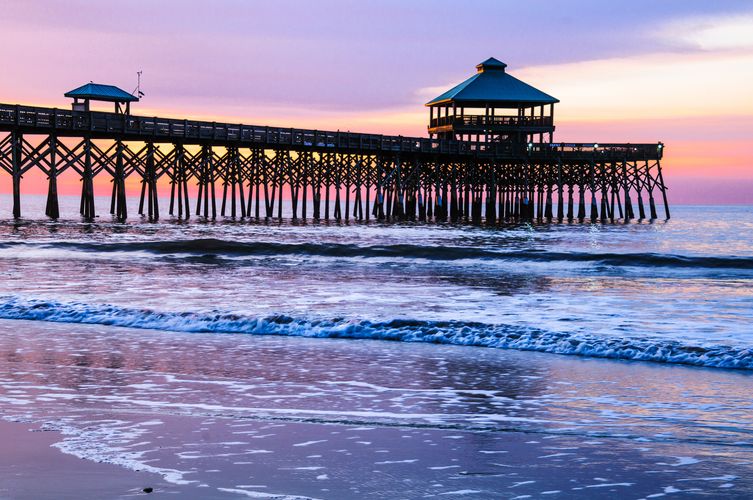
x=330 y=418
x=117 y=334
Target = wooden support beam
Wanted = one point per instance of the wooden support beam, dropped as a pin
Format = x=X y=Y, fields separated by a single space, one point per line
x=594 y=207
x=87 y=189
x=52 y=208
x=663 y=189
x=626 y=186
x=120 y=210
x=639 y=190
x=581 y=203
x=17 y=164
x=560 y=194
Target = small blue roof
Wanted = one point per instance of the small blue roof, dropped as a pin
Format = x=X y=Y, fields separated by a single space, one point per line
x=493 y=85
x=99 y=92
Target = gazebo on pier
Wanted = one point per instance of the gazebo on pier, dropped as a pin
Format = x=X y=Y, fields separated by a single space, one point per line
x=492 y=106
x=98 y=92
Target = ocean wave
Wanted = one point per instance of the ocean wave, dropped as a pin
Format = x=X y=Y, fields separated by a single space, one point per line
x=212 y=247
x=404 y=330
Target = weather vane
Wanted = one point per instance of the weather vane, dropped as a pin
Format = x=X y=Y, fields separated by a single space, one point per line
x=138 y=91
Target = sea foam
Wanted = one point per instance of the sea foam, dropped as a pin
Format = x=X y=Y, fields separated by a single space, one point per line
x=461 y=333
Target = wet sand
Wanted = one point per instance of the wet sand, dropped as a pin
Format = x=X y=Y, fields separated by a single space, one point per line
x=406 y=463
x=238 y=416
x=31 y=468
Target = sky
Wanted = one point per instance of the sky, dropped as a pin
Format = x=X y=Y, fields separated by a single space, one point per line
x=676 y=71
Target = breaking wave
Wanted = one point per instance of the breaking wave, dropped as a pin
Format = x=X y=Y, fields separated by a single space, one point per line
x=405 y=330
x=219 y=248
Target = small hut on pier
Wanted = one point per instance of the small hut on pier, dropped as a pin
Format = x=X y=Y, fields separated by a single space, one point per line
x=492 y=106
x=97 y=92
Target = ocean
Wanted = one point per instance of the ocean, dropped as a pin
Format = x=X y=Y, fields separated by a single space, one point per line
x=302 y=359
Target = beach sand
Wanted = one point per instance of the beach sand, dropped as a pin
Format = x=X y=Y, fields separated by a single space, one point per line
x=237 y=416
x=31 y=468
x=413 y=463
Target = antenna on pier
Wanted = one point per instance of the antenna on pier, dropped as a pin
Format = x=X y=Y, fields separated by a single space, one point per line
x=138 y=93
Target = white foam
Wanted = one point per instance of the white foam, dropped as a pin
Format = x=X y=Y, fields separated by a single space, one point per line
x=263 y=494
x=643 y=347
x=681 y=461
x=460 y=492
x=521 y=483
x=608 y=485
x=309 y=443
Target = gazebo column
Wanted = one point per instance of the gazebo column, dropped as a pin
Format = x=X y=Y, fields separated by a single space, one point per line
x=486 y=122
x=551 y=120
x=541 y=123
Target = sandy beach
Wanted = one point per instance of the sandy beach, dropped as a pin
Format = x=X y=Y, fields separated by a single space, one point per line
x=32 y=468
x=273 y=417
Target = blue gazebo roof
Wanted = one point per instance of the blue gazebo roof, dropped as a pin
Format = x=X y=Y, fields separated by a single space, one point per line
x=494 y=86
x=99 y=92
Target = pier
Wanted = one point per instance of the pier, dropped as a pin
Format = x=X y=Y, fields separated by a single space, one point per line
x=490 y=157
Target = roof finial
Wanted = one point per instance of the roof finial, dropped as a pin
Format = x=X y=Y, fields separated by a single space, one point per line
x=491 y=64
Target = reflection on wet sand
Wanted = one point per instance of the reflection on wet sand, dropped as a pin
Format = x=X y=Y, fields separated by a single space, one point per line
x=280 y=413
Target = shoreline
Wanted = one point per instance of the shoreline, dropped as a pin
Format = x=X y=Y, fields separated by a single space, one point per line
x=517 y=465
x=31 y=467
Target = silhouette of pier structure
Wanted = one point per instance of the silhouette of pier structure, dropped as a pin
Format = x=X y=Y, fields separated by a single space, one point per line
x=489 y=157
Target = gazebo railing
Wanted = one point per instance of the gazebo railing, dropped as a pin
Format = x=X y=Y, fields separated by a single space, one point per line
x=492 y=121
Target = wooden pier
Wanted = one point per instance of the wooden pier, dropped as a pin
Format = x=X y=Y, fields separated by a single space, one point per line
x=476 y=168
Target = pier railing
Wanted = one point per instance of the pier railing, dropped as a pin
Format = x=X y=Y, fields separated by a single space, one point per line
x=596 y=151
x=157 y=129
x=95 y=124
